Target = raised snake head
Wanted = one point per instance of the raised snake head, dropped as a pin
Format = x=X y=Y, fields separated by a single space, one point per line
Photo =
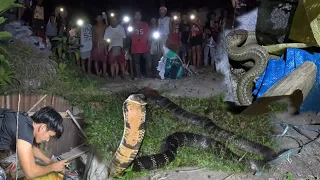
x=137 y=99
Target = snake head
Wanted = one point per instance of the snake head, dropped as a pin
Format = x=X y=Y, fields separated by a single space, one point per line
x=137 y=98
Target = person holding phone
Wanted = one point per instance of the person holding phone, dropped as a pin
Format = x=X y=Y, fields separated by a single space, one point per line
x=40 y=127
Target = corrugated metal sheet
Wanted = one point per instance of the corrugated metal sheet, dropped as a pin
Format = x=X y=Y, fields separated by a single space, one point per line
x=70 y=137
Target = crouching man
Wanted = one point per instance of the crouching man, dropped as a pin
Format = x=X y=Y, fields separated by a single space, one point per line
x=38 y=128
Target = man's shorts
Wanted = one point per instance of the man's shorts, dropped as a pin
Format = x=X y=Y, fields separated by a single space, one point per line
x=85 y=55
x=184 y=48
x=114 y=59
x=196 y=41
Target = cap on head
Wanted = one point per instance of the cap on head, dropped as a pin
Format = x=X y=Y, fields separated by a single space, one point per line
x=163 y=9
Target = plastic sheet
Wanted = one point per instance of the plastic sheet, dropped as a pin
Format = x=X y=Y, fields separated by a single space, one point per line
x=277 y=69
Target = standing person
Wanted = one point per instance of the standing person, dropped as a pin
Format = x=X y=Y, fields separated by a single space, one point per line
x=38 y=18
x=185 y=29
x=155 y=49
x=174 y=36
x=86 y=46
x=40 y=127
x=51 y=29
x=99 y=50
x=115 y=35
x=163 y=27
x=21 y=11
x=139 y=44
x=211 y=34
x=196 y=39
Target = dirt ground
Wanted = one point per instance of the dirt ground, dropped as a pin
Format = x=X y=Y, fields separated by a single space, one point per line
x=205 y=84
x=305 y=165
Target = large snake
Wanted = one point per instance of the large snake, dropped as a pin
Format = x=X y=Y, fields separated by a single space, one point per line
x=134 y=130
x=134 y=113
x=249 y=50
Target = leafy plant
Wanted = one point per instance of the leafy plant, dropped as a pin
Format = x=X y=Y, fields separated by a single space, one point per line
x=288 y=176
x=63 y=50
x=61 y=67
x=6 y=5
x=6 y=72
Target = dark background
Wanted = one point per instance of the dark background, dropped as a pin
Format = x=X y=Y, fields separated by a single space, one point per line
x=150 y=8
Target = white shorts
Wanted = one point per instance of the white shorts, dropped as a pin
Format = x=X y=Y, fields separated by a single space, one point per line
x=85 y=55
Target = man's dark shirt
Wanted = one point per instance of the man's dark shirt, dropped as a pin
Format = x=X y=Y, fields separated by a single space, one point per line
x=8 y=129
x=185 y=31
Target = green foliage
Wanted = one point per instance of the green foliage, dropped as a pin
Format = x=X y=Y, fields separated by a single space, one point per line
x=63 y=51
x=288 y=176
x=61 y=67
x=8 y=4
x=6 y=73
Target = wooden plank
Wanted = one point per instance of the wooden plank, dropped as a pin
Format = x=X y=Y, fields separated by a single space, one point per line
x=294 y=87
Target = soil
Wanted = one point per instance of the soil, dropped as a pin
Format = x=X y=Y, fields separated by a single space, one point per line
x=305 y=165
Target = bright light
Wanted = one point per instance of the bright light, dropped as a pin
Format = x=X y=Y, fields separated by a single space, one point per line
x=192 y=16
x=126 y=19
x=108 y=40
x=61 y=9
x=156 y=35
x=175 y=17
x=130 y=29
x=80 y=22
x=112 y=14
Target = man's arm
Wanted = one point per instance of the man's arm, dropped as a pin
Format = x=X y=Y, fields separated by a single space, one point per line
x=39 y=154
x=29 y=167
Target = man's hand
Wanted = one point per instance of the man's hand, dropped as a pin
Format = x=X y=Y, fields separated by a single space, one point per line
x=59 y=166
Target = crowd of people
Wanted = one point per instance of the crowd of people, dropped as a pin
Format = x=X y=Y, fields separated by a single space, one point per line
x=115 y=43
x=118 y=48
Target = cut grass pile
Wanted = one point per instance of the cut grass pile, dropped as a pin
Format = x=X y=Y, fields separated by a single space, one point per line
x=104 y=125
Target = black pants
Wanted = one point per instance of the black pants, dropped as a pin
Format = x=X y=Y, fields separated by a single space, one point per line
x=136 y=61
x=154 y=65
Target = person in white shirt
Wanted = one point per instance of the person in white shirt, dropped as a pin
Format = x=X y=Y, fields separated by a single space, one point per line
x=163 y=27
x=86 y=42
x=115 y=36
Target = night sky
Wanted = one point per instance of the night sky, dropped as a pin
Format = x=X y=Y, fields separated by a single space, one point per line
x=149 y=7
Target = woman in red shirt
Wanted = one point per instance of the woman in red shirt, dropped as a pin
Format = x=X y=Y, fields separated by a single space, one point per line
x=139 y=44
x=196 y=39
x=174 y=36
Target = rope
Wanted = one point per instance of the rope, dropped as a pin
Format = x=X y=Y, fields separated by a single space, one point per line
x=17 y=138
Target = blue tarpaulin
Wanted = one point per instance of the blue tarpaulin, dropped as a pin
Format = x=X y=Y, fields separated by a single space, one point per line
x=279 y=68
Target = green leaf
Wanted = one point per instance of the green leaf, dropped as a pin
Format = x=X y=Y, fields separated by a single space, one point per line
x=5 y=35
x=2 y=20
x=3 y=50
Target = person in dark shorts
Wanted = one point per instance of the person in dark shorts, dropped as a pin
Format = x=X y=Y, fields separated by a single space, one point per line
x=38 y=128
x=185 y=34
x=196 y=39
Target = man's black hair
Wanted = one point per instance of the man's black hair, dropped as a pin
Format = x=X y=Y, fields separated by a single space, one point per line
x=47 y=115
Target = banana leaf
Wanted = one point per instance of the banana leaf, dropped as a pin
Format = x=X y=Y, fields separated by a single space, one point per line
x=8 y=4
x=5 y=35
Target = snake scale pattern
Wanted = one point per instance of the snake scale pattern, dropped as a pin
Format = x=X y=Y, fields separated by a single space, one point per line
x=242 y=46
x=134 y=113
x=219 y=140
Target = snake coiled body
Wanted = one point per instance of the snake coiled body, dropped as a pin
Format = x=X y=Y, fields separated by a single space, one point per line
x=219 y=134
x=134 y=113
x=248 y=51
x=179 y=139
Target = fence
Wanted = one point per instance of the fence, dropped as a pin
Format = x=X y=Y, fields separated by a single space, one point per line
x=71 y=136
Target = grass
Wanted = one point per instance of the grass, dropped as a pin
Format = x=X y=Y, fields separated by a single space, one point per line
x=104 y=126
